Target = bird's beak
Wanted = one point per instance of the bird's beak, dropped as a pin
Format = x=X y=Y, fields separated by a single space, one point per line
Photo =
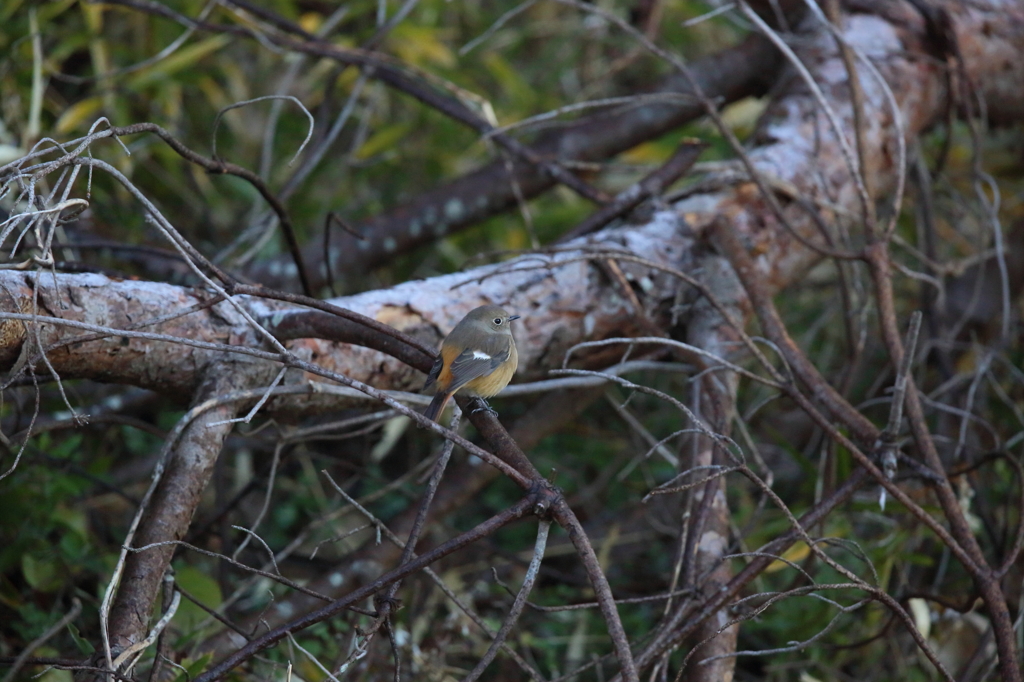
x=513 y=317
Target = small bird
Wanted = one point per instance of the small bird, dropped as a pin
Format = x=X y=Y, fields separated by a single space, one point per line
x=478 y=357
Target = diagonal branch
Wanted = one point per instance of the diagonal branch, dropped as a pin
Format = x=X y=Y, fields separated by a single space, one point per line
x=485 y=529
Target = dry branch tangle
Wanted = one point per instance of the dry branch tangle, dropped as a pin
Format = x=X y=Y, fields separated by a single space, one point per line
x=563 y=298
x=798 y=151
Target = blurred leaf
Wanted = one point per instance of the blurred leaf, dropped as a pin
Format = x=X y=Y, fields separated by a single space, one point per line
x=201 y=586
x=239 y=88
x=73 y=519
x=511 y=81
x=192 y=669
x=85 y=647
x=52 y=674
x=42 y=574
x=306 y=670
x=77 y=114
x=795 y=554
x=186 y=57
x=383 y=140
x=311 y=21
x=421 y=45
x=215 y=94
x=10 y=8
x=10 y=153
x=93 y=14
x=741 y=116
x=648 y=152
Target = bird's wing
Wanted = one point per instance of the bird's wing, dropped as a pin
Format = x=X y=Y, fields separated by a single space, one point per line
x=470 y=364
x=435 y=372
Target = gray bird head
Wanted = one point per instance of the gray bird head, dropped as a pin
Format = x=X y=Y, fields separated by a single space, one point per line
x=489 y=317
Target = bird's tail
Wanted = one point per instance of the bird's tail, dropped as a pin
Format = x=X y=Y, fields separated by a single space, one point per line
x=436 y=405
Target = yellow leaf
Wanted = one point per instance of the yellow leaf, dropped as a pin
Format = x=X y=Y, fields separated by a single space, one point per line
x=215 y=94
x=419 y=45
x=794 y=554
x=742 y=115
x=311 y=21
x=93 y=17
x=648 y=152
x=382 y=140
x=305 y=669
x=509 y=79
x=74 y=116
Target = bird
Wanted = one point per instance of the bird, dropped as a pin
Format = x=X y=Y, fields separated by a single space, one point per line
x=478 y=357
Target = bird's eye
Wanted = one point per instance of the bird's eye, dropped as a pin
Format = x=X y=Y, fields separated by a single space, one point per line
x=497 y=320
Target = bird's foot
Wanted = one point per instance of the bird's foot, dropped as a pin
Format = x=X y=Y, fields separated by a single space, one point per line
x=484 y=407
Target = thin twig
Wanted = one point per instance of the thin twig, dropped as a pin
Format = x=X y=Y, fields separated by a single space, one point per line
x=517 y=606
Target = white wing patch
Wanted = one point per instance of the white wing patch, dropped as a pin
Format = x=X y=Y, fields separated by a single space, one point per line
x=480 y=355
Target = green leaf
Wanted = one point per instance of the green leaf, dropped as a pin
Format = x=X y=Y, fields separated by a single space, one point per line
x=51 y=674
x=420 y=45
x=184 y=58
x=85 y=647
x=72 y=519
x=193 y=668
x=515 y=87
x=205 y=590
x=10 y=9
x=42 y=574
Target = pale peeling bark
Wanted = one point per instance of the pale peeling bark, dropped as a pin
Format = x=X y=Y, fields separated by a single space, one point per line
x=710 y=521
x=564 y=298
